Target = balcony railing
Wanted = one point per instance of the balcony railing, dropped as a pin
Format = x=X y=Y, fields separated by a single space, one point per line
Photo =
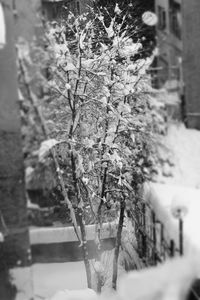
x=153 y=239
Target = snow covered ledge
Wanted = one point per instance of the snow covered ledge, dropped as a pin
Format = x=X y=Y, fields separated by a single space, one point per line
x=164 y=200
x=46 y=235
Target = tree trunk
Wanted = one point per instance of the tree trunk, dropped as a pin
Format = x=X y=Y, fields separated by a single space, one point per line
x=81 y=222
x=117 y=244
x=84 y=248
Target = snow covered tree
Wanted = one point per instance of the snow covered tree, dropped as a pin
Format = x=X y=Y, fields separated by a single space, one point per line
x=96 y=120
x=134 y=10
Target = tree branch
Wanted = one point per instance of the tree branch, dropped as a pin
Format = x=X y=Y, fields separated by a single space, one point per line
x=34 y=102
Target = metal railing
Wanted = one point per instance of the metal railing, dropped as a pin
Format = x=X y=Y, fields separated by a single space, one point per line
x=153 y=240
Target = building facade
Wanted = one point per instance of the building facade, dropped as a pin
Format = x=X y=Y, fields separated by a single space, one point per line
x=169 y=40
x=178 y=63
x=15 y=247
x=191 y=60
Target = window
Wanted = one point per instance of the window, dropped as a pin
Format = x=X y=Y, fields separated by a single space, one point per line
x=78 y=7
x=52 y=10
x=161 y=18
x=175 y=18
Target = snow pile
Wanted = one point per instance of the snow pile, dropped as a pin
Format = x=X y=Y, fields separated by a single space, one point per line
x=86 y=294
x=22 y=278
x=45 y=147
x=170 y=281
x=181 y=152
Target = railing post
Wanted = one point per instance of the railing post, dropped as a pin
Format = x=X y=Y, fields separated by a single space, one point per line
x=162 y=249
x=144 y=237
x=179 y=211
x=154 y=237
x=172 y=248
x=181 y=236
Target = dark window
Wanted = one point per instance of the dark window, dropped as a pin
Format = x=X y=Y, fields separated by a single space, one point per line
x=175 y=18
x=161 y=18
x=52 y=10
x=78 y=7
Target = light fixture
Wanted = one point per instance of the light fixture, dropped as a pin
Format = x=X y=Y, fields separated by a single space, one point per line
x=149 y=18
x=2 y=28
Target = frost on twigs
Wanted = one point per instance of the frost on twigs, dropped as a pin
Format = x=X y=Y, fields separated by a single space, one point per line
x=45 y=147
x=100 y=89
x=97 y=102
x=99 y=268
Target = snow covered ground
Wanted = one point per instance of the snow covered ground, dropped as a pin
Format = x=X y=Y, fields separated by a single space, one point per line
x=170 y=281
x=160 y=282
x=44 y=280
x=50 y=278
x=181 y=153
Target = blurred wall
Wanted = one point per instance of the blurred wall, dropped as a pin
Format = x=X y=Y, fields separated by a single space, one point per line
x=191 y=60
x=27 y=17
x=15 y=251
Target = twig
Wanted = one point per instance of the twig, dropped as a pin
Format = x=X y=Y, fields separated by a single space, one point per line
x=34 y=102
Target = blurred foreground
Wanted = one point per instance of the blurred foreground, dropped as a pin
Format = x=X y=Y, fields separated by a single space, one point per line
x=170 y=281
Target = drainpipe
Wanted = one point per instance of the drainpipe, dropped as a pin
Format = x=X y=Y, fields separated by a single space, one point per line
x=2 y=28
